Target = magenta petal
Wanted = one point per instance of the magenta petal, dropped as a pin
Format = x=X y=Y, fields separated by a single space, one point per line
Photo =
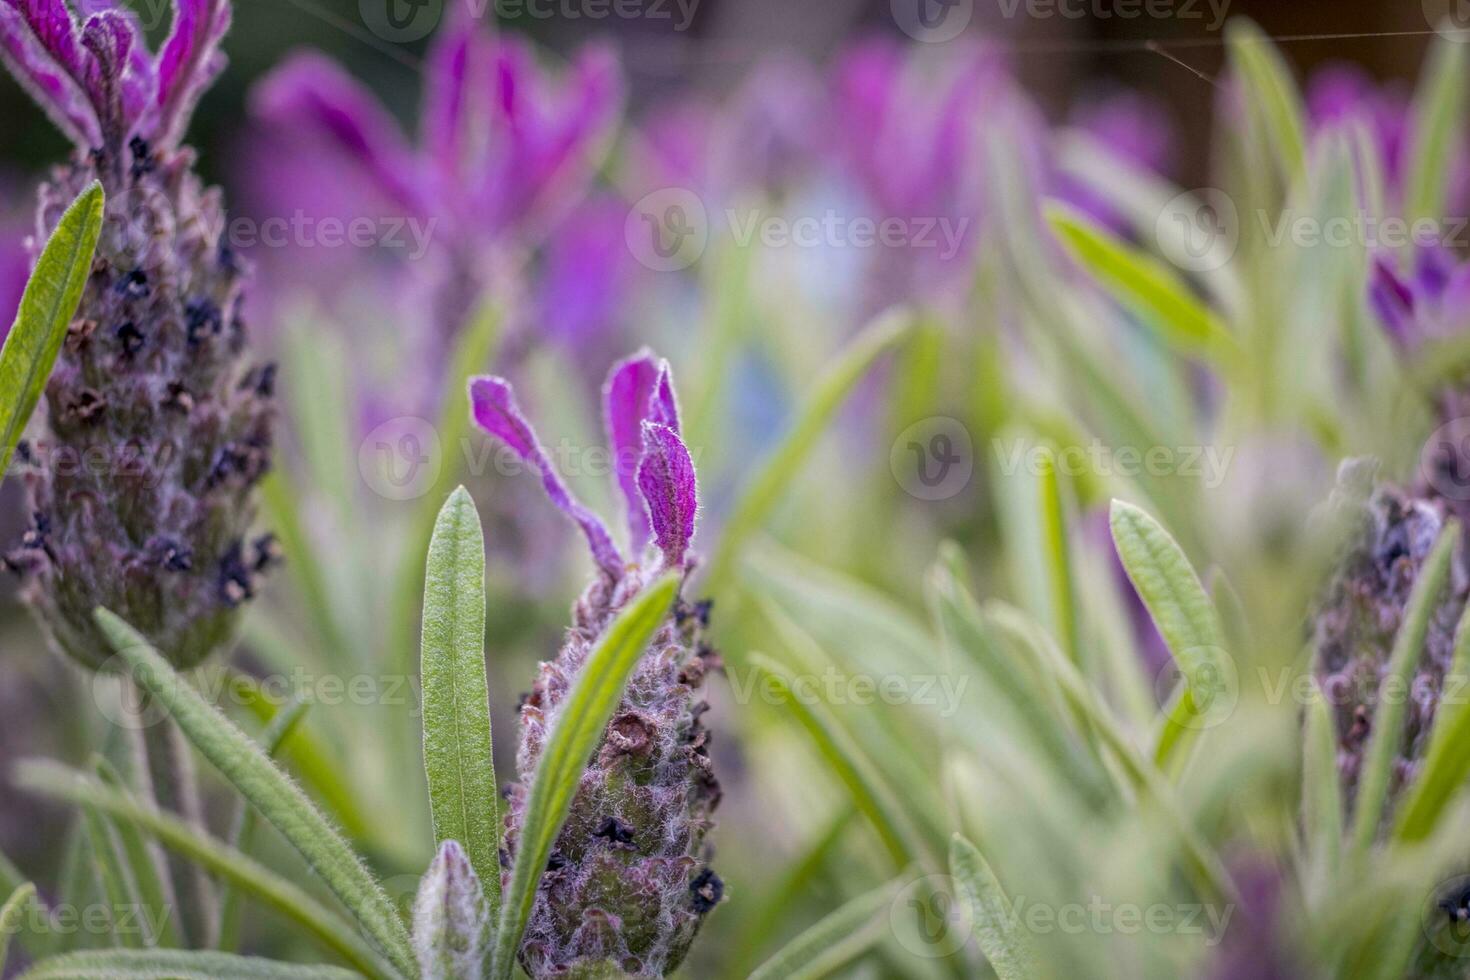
x=663 y=408
x=625 y=405
x=311 y=93
x=114 y=80
x=493 y=407
x=1393 y=301
x=666 y=477
x=39 y=46
x=455 y=76
x=190 y=61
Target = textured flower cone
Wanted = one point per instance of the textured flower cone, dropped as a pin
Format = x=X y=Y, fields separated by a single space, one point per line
x=155 y=426
x=627 y=884
x=626 y=887
x=1359 y=617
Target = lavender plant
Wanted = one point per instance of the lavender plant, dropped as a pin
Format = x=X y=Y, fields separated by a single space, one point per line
x=627 y=883
x=157 y=423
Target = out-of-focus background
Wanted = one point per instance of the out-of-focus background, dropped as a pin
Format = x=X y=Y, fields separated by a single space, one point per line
x=1059 y=50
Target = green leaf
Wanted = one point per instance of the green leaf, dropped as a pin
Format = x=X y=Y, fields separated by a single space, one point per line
x=764 y=492
x=1270 y=91
x=1183 y=613
x=272 y=792
x=864 y=783
x=1321 y=793
x=1142 y=284
x=1139 y=771
x=50 y=301
x=59 y=782
x=1438 y=130
x=458 y=754
x=1386 y=734
x=281 y=500
x=175 y=965
x=835 y=941
x=1447 y=761
x=576 y=729
x=10 y=916
x=145 y=867
x=117 y=885
x=779 y=903
x=281 y=726
x=1003 y=944
x=1058 y=560
x=1016 y=683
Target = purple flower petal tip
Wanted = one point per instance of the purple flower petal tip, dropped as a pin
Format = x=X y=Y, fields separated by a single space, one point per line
x=493 y=408
x=666 y=478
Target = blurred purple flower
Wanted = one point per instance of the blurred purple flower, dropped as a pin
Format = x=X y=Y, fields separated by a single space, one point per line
x=506 y=152
x=586 y=273
x=1133 y=129
x=1344 y=93
x=1430 y=302
x=909 y=131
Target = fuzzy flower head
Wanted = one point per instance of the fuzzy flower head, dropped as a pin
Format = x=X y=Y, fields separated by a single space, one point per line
x=156 y=428
x=96 y=78
x=628 y=883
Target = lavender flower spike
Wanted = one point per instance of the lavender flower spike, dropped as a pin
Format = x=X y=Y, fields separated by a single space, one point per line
x=155 y=429
x=628 y=884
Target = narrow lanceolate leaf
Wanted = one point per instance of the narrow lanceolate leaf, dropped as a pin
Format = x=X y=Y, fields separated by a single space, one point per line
x=1447 y=762
x=457 y=746
x=1321 y=792
x=272 y=792
x=999 y=935
x=11 y=914
x=1184 y=614
x=865 y=784
x=1386 y=734
x=146 y=867
x=1270 y=91
x=1143 y=285
x=158 y=964
x=574 y=735
x=46 y=309
x=835 y=941
x=117 y=886
x=762 y=494
x=68 y=785
x=281 y=727
x=1439 y=129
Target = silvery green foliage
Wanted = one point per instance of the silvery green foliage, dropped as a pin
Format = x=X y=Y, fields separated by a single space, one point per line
x=451 y=921
x=157 y=425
